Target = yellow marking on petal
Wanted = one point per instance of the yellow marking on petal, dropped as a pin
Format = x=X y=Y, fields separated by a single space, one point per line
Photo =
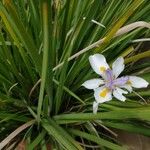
x=104 y=92
x=102 y=69
x=129 y=82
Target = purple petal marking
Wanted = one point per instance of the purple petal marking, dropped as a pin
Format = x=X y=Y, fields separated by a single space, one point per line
x=109 y=75
x=109 y=79
x=111 y=82
x=121 y=81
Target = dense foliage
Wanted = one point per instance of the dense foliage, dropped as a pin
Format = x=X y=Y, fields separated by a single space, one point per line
x=41 y=89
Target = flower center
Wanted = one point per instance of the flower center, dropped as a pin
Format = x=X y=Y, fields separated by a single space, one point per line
x=111 y=82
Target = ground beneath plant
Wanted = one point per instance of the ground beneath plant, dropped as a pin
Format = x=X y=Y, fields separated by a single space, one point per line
x=134 y=141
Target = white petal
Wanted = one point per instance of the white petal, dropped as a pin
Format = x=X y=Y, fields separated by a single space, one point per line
x=127 y=87
x=95 y=107
x=98 y=63
x=118 y=66
x=118 y=94
x=121 y=91
x=93 y=83
x=102 y=94
x=138 y=82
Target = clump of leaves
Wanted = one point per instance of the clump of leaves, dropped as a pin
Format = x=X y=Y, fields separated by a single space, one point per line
x=44 y=50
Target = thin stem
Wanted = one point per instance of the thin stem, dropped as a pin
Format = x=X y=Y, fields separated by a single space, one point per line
x=137 y=57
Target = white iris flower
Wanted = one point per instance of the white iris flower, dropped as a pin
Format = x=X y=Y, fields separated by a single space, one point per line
x=111 y=83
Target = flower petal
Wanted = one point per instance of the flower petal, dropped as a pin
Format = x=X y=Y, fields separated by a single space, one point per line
x=95 y=107
x=109 y=75
x=121 y=81
x=93 y=83
x=118 y=94
x=121 y=91
x=137 y=82
x=99 y=64
x=102 y=94
x=127 y=87
x=118 y=66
